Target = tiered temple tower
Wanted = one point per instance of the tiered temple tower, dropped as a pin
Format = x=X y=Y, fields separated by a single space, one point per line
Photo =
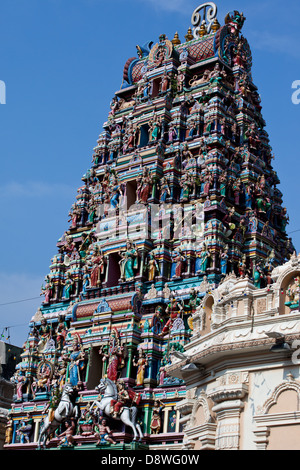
x=181 y=194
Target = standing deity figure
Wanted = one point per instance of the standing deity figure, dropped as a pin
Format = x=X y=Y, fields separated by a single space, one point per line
x=74 y=215
x=164 y=190
x=9 y=429
x=152 y=267
x=141 y=364
x=194 y=302
x=25 y=429
x=155 y=424
x=98 y=266
x=165 y=81
x=157 y=320
x=154 y=129
x=172 y=133
x=179 y=260
x=258 y=274
x=44 y=334
x=186 y=187
x=77 y=364
x=223 y=183
x=114 y=354
x=19 y=380
x=204 y=258
x=61 y=332
x=128 y=262
x=224 y=261
x=68 y=286
x=144 y=186
x=86 y=280
x=180 y=81
x=174 y=310
x=242 y=266
x=47 y=290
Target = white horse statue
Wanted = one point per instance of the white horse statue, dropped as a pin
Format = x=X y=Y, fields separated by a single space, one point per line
x=108 y=389
x=64 y=410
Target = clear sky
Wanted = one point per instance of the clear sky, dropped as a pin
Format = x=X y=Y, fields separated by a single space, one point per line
x=61 y=62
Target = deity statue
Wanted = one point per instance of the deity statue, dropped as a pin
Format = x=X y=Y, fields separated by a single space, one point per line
x=179 y=260
x=165 y=81
x=144 y=186
x=174 y=310
x=98 y=267
x=223 y=183
x=152 y=267
x=25 y=429
x=180 y=81
x=128 y=262
x=186 y=185
x=141 y=363
x=122 y=400
x=92 y=207
x=68 y=286
x=204 y=258
x=104 y=433
x=292 y=293
x=164 y=190
x=258 y=274
x=66 y=437
x=172 y=133
x=224 y=261
x=156 y=422
x=61 y=332
x=77 y=364
x=74 y=215
x=86 y=280
x=157 y=321
x=19 y=379
x=47 y=290
x=44 y=334
x=115 y=354
x=192 y=128
x=44 y=376
x=154 y=129
x=9 y=429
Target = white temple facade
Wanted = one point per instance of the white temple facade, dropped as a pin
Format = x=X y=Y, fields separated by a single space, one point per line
x=241 y=366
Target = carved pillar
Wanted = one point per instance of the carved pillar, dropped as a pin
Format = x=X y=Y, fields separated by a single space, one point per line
x=228 y=407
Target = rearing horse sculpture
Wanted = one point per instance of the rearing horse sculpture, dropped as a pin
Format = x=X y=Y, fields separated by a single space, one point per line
x=64 y=411
x=128 y=416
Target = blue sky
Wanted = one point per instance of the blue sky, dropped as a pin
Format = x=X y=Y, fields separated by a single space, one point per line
x=62 y=61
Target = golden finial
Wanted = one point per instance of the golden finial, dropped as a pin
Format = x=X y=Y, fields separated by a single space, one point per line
x=189 y=36
x=176 y=39
x=202 y=30
x=215 y=26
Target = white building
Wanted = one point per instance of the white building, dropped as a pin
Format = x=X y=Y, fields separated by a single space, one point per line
x=241 y=367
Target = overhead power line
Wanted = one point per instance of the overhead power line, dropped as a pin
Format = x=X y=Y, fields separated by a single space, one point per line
x=19 y=301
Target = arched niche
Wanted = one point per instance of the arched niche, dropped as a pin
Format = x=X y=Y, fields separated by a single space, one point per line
x=202 y=425
x=287 y=290
x=278 y=421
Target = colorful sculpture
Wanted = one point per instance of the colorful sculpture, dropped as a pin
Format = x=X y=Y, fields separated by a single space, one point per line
x=185 y=130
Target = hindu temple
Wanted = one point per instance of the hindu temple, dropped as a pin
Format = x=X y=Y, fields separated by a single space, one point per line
x=175 y=280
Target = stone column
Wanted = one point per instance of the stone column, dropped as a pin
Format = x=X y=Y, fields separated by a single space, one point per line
x=228 y=406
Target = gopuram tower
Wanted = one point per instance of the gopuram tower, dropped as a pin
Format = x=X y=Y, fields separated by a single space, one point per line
x=180 y=197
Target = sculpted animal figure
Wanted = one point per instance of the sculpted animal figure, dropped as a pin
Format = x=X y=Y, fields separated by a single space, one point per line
x=108 y=389
x=64 y=411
